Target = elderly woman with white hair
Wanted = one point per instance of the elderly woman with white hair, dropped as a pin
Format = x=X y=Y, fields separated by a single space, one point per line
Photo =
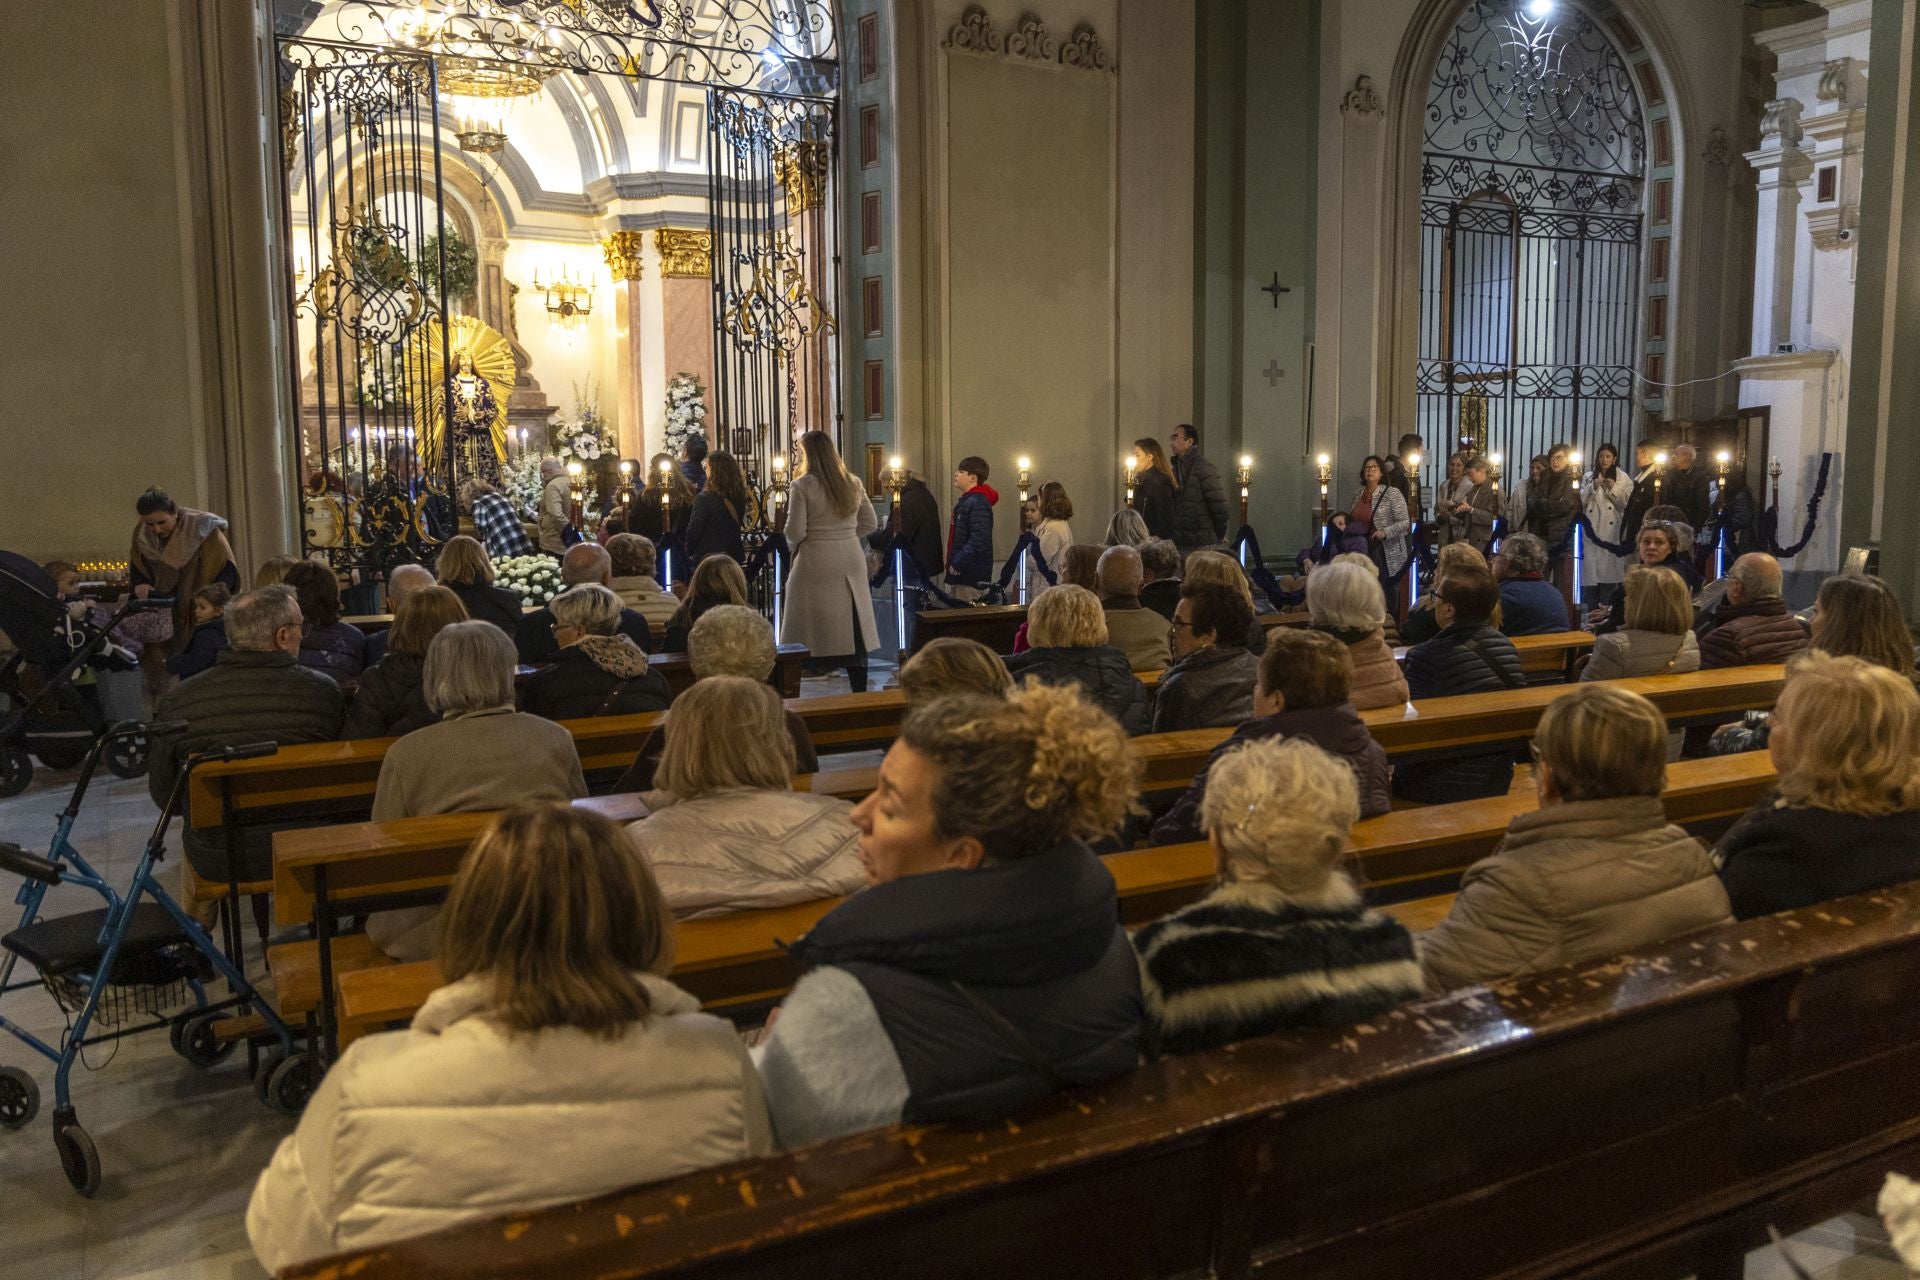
x=1284 y=939
x=481 y=754
x=1344 y=600
x=598 y=671
x=1068 y=632
x=728 y=640
x=726 y=830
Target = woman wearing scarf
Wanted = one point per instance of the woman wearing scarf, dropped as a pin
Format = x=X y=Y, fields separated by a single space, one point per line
x=176 y=551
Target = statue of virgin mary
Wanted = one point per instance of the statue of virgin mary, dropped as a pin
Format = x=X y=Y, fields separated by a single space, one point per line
x=467 y=410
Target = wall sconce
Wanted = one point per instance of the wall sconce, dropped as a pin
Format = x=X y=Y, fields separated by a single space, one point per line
x=569 y=301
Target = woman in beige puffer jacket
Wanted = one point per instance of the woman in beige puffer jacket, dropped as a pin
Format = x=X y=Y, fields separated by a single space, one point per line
x=1344 y=600
x=512 y=1090
x=727 y=831
x=1596 y=871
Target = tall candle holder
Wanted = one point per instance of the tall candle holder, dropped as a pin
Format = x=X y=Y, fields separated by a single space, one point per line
x=1773 y=473
x=1413 y=483
x=1127 y=463
x=1243 y=476
x=1323 y=464
x=576 y=493
x=1722 y=464
x=777 y=503
x=624 y=494
x=1659 y=475
x=1024 y=465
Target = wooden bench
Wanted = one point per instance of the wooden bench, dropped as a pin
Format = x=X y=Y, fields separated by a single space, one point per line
x=1642 y=1116
x=736 y=960
x=995 y=625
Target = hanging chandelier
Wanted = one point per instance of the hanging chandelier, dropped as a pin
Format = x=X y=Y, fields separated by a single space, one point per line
x=484 y=65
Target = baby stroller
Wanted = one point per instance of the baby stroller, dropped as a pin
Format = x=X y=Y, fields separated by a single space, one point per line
x=42 y=708
x=121 y=967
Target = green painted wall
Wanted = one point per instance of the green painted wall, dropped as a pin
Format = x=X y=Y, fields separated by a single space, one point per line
x=1258 y=121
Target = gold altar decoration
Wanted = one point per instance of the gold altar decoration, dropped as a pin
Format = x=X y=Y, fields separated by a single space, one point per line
x=622 y=249
x=802 y=170
x=1473 y=420
x=685 y=253
x=479 y=353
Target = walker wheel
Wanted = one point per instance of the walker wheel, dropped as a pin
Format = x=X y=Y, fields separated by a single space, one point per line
x=19 y=1098
x=16 y=770
x=198 y=1044
x=127 y=757
x=78 y=1159
x=285 y=1084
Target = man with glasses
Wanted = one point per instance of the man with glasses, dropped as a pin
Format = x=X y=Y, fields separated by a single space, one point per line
x=255 y=691
x=584 y=562
x=1200 y=505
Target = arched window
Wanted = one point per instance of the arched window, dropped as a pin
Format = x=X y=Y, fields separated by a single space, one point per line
x=1532 y=183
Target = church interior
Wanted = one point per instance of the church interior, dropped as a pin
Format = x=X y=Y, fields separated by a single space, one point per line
x=822 y=321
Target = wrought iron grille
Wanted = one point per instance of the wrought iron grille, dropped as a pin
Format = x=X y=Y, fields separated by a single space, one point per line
x=368 y=308
x=771 y=195
x=1531 y=229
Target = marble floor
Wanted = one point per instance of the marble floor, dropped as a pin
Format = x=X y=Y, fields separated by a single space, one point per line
x=180 y=1147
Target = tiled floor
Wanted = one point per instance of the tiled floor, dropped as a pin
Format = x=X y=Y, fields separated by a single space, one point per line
x=180 y=1147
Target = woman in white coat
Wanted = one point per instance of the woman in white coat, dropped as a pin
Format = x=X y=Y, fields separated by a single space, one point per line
x=1604 y=495
x=829 y=606
x=554 y=1065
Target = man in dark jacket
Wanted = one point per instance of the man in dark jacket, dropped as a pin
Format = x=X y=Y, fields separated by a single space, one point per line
x=1752 y=623
x=1529 y=604
x=1305 y=681
x=1551 y=505
x=1689 y=487
x=256 y=691
x=1200 y=507
x=919 y=525
x=970 y=533
x=1210 y=681
x=584 y=562
x=693 y=458
x=1641 y=500
x=1468 y=656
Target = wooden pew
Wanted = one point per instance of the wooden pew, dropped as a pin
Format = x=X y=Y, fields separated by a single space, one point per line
x=1641 y=1116
x=994 y=625
x=736 y=960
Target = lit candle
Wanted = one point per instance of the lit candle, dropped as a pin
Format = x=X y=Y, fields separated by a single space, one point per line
x=666 y=491
x=1129 y=462
x=1573 y=464
x=1025 y=466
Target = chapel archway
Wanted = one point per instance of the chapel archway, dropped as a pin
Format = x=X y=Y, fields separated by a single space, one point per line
x=1539 y=178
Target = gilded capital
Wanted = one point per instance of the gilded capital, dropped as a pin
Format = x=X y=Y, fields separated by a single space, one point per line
x=623 y=254
x=684 y=252
x=802 y=170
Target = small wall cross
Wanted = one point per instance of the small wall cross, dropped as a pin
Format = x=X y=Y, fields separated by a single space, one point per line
x=1276 y=289
x=1273 y=372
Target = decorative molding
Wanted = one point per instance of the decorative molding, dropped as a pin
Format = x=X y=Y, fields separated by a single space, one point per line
x=974 y=32
x=1780 y=119
x=685 y=252
x=1028 y=40
x=1833 y=228
x=1083 y=50
x=801 y=168
x=1719 y=149
x=1834 y=78
x=623 y=254
x=1361 y=100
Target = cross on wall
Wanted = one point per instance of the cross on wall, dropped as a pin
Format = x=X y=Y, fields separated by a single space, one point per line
x=1273 y=372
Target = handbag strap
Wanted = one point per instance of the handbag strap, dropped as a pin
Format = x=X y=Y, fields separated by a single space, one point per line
x=1021 y=1046
x=613 y=696
x=1500 y=673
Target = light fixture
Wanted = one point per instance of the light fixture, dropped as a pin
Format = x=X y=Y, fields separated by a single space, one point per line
x=1539 y=10
x=483 y=64
x=569 y=301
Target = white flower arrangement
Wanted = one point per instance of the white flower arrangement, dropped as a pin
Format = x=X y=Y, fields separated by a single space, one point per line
x=588 y=438
x=535 y=579
x=520 y=482
x=686 y=411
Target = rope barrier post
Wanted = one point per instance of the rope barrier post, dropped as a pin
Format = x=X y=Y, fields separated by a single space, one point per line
x=900 y=598
x=1025 y=588
x=779 y=590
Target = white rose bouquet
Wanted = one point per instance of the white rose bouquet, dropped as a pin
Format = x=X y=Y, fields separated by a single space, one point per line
x=535 y=579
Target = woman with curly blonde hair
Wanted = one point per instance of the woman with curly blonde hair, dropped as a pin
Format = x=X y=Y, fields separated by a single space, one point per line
x=1284 y=939
x=984 y=967
x=1845 y=816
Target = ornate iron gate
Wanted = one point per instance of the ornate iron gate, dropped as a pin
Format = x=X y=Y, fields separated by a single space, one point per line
x=360 y=127
x=776 y=271
x=1531 y=220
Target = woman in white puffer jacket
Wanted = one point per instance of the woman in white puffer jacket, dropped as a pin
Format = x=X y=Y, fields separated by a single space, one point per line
x=727 y=831
x=508 y=1094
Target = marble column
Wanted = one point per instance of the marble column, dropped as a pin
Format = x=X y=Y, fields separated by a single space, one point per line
x=1780 y=166
x=622 y=249
x=686 y=303
x=231 y=137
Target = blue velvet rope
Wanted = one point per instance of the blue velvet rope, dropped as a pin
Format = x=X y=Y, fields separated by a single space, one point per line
x=925 y=584
x=775 y=544
x=1771 y=520
x=1027 y=542
x=1257 y=571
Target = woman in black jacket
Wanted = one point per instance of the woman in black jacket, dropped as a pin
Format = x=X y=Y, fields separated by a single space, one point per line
x=389 y=700
x=1845 y=815
x=1068 y=632
x=597 y=671
x=714 y=527
x=1154 y=487
x=463 y=568
x=717 y=580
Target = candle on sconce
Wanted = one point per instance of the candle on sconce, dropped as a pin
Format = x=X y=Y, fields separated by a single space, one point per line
x=1573 y=465
x=1243 y=476
x=1128 y=462
x=666 y=490
x=1493 y=476
x=1024 y=464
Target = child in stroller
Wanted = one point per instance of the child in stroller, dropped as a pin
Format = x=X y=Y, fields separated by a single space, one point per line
x=46 y=707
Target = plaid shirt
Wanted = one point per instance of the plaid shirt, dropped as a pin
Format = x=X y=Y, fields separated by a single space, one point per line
x=499 y=528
